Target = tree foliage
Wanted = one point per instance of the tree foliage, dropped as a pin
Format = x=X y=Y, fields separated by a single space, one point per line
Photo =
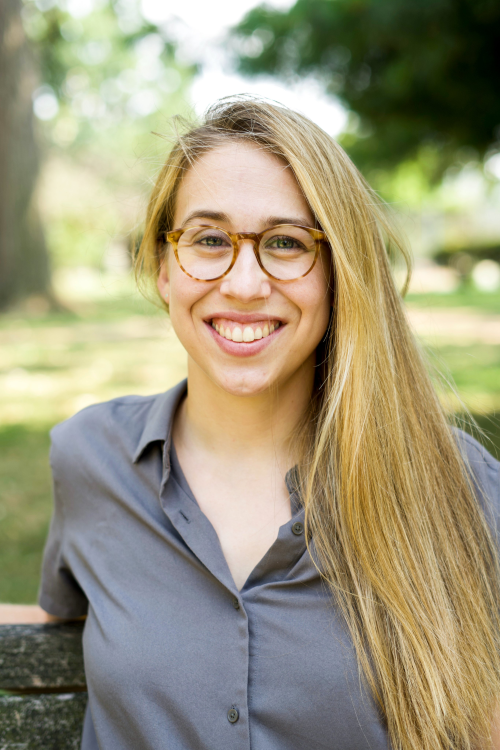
x=99 y=77
x=421 y=75
x=104 y=64
x=108 y=78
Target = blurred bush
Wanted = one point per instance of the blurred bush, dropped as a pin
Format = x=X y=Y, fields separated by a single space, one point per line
x=477 y=263
x=451 y=255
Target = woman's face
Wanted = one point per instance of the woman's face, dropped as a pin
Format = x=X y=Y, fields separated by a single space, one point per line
x=241 y=188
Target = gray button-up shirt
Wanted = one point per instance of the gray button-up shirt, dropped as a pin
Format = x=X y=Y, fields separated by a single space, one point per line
x=176 y=657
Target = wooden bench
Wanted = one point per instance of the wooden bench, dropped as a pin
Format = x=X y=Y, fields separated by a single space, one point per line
x=42 y=683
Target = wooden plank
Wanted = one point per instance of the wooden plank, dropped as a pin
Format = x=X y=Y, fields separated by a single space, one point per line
x=42 y=722
x=41 y=658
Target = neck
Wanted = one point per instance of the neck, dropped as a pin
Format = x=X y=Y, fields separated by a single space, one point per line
x=239 y=428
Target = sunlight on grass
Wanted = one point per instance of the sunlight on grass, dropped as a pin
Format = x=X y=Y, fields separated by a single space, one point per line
x=47 y=374
x=107 y=346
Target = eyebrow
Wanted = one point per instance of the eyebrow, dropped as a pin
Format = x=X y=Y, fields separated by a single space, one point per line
x=213 y=215
x=271 y=221
x=274 y=220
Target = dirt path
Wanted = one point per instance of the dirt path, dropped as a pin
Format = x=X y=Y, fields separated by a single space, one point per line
x=457 y=326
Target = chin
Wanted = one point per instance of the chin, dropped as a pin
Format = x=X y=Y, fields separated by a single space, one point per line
x=244 y=383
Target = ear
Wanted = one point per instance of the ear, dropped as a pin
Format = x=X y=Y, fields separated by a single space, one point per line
x=163 y=280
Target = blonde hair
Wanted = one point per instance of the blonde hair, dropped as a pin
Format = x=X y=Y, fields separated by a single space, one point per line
x=396 y=526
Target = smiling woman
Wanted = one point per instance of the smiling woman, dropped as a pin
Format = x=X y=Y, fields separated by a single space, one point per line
x=197 y=528
x=262 y=280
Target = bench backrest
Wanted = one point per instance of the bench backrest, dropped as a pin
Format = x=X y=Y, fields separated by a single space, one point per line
x=42 y=680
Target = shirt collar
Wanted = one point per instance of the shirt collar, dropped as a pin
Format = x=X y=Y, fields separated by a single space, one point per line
x=158 y=428
x=158 y=425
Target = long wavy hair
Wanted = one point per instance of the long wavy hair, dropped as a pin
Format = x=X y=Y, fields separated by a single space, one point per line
x=391 y=512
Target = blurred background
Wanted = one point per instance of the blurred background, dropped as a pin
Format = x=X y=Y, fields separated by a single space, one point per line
x=88 y=89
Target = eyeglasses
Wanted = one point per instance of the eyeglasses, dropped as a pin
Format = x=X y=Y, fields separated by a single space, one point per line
x=285 y=252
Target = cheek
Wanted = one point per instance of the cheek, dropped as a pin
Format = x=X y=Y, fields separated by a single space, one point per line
x=316 y=298
x=319 y=313
x=314 y=302
x=185 y=293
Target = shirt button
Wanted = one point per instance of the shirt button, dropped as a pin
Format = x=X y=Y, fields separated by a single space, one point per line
x=236 y=603
x=233 y=715
x=298 y=528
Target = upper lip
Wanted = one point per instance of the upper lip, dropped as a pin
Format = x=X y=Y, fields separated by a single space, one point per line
x=243 y=317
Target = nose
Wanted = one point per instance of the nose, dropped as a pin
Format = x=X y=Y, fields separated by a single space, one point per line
x=246 y=280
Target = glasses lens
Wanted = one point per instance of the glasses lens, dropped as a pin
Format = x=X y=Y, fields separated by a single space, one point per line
x=287 y=252
x=205 y=252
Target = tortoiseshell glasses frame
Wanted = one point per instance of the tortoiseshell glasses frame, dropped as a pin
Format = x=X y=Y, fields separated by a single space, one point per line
x=175 y=235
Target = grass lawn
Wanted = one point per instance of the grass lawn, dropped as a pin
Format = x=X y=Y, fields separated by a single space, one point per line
x=53 y=365
x=466 y=297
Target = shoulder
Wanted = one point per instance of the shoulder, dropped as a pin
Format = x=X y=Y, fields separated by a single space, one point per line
x=93 y=456
x=104 y=415
x=124 y=416
x=480 y=461
x=113 y=430
x=484 y=468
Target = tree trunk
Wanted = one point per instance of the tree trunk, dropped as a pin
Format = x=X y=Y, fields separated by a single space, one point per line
x=24 y=263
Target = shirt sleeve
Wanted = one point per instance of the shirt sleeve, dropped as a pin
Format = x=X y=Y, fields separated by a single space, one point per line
x=59 y=594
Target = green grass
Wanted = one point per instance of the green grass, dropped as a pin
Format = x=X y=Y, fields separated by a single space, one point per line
x=25 y=508
x=53 y=365
x=465 y=297
x=477 y=368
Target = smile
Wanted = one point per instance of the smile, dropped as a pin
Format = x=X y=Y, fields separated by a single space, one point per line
x=232 y=331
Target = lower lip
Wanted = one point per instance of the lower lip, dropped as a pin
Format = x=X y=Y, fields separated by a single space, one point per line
x=243 y=349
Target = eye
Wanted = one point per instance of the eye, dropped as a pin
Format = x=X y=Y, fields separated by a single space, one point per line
x=211 y=241
x=284 y=242
x=208 y=239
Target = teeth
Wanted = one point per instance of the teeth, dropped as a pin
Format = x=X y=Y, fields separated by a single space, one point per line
x=248 y=334
x=238 y=335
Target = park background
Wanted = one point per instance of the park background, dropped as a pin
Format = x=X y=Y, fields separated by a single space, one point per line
x=88 y=89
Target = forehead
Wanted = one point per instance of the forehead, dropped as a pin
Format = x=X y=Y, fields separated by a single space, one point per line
x=243 y=181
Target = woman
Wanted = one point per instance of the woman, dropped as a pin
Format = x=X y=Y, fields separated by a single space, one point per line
x=294 y=550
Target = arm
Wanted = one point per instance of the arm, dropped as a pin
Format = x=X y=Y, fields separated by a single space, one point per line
x=23 y=614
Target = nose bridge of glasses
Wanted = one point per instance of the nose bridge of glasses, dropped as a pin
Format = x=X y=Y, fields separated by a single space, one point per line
x=254 y=239
x=250 y=236
x=239 y=240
